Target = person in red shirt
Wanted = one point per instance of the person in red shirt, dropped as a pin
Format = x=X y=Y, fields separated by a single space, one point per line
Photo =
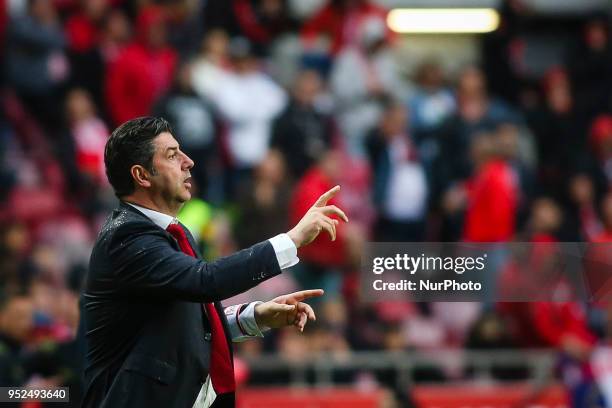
x=323 y=261
x=83 y=27
x=562 y=326
x=341 y=21
x=492 y=194
x=143 y=71
x=321 y=177
x=552 y=318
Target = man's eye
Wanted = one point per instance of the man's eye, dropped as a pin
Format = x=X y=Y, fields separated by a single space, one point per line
x=172 y=156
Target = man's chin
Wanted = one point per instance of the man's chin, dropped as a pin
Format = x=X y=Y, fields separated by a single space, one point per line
x=186 y=196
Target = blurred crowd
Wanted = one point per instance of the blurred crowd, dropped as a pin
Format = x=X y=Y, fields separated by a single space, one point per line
x=277 y=101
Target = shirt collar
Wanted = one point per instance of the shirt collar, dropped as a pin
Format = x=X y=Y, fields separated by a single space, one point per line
x=160 y=219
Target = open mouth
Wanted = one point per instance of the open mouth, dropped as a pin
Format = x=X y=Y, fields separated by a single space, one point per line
x=187 y=182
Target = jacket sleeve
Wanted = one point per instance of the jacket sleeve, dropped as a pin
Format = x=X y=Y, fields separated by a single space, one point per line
x=144 y=263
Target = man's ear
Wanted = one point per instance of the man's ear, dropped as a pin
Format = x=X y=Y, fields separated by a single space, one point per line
x=141 y=176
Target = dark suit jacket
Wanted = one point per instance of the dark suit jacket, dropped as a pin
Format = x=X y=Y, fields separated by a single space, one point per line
x=148 y=340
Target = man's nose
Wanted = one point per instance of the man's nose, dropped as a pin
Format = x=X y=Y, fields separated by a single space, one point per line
x=188 y=163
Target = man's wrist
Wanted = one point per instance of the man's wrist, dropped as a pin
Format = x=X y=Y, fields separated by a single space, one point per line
x=250 y=322
x=258 y=317
x=257 y=314
x=293 y=236
x=285 y=250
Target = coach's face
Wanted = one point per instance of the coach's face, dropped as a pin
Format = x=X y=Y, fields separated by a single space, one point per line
x=172 y=179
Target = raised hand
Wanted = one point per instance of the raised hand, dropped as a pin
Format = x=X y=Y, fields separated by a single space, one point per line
x=317 y=219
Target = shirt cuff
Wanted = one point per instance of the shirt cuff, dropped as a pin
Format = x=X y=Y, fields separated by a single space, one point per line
x=242 y=323
x=286 y=252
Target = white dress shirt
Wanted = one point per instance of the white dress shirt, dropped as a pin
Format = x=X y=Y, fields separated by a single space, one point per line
x=240 y=318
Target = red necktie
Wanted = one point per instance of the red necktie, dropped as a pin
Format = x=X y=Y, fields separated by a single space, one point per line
x=221 y=365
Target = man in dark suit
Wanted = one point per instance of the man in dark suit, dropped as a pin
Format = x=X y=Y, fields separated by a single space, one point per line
x=157 y=335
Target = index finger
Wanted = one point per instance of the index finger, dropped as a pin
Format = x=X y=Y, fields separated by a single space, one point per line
x=325 y=197
x=332 y=209
x=305 y=294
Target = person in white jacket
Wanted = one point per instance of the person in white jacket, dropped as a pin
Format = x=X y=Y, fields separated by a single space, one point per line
x=247 y=100
x=361 y=76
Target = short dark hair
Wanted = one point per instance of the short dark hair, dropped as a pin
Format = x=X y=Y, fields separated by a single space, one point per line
x=130 y=144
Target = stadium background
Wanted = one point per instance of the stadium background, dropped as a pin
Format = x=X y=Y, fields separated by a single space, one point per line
x=493 y=136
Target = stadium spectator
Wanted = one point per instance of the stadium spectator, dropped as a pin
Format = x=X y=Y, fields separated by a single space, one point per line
x=263 y=21
x=395 y=162
x=16 y=263
x=185 y=28
x=28 y=357
x=263 y=201
x=89 y=30
x=492 y=194
x=545 y=221
x=89 y=134
x=517 y=146
x=590 y=65
x=490 y=332
x=504 y=50
x=143 y=70
x=262 y=205
x=115 y=35
x=83 y=27
x=476 y=112
x=212 y=63
x=432 y=102
x=582 y=220
x=323 y=259
x=8 y=176
x=341 y=22
x=303 y=132
x=79 y=152
x=36 y=63
x=16 y=325
x=562 y=325
x=364 y=73
x=247 y=100
x=193 y=120
x=556 y=131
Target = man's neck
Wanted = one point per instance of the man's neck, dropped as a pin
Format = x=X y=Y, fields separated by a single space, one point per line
x=160 y=219
x=151 y=204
